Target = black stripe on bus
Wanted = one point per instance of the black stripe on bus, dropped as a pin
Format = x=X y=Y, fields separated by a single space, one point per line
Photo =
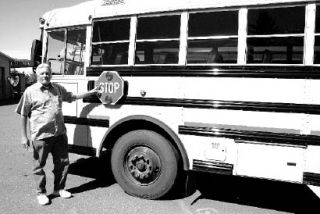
x=283 y=72
x=218 y=104
x=311 y=178
x=252 y=136
x=86 y=121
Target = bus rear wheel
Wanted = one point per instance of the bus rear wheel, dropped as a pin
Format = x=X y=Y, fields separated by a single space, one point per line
x=144 y=164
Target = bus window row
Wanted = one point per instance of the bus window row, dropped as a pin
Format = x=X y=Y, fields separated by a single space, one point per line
x=211 y=37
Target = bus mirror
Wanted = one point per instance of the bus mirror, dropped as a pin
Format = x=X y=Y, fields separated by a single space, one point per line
x=36 y=52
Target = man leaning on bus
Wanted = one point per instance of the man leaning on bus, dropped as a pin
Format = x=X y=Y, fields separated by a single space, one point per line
x=41 y=103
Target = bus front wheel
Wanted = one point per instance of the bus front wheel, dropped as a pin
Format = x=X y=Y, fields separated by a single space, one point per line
x=144 y=164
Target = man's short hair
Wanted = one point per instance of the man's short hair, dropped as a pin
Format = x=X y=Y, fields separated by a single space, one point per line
x=43 y=65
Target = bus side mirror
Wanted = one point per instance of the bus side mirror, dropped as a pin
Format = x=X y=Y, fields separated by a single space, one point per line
x=36 y=53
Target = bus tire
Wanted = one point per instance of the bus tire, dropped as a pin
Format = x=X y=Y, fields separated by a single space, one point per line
x=144 y=164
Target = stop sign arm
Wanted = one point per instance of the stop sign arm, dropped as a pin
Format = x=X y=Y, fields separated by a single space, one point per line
x=111 y=87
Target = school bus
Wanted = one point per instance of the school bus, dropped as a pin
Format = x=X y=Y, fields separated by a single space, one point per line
x=225 y=87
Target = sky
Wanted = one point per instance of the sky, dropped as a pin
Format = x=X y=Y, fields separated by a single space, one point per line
x=19 y=23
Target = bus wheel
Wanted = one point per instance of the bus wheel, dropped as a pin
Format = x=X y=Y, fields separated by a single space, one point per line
x=144 y=164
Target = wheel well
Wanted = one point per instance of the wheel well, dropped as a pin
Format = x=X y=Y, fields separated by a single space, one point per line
x=127 y=125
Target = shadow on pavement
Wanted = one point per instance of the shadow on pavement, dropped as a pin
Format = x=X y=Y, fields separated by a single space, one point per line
x=260 y=193
x=92 y=167
x=281 y=196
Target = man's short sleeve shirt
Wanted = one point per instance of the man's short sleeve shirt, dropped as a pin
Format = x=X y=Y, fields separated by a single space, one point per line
x=43 y=106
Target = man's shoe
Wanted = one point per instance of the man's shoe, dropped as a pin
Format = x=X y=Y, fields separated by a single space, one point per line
x=62 y=193
x=42 y=199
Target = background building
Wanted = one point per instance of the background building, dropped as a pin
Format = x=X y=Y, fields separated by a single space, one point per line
x=5 y=89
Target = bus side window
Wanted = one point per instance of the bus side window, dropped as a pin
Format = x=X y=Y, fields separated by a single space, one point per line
x=264 y=27
x=154 y=42
x=110 y=42
x=205 y=42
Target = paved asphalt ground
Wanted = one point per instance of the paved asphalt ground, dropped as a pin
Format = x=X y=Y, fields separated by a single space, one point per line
x=95 y=190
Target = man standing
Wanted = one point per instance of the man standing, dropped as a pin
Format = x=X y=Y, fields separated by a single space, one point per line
x=41 y=103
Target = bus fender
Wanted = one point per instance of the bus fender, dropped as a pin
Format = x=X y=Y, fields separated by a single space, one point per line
x=122 y=126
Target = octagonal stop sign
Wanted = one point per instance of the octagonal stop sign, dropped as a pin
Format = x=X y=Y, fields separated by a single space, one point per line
x=111 y=86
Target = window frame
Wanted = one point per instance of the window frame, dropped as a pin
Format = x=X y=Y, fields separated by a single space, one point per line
x=178 y=39
x=65 y=31
x=216 y=37
x=278 y=35
x=129 y=41
x=316 y=9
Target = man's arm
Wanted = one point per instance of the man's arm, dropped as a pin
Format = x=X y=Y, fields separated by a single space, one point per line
x=94 y=91
x=24 y=139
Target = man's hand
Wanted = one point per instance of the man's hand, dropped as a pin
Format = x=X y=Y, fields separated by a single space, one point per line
x=97 y=90
x=25 y=143
x=24 y=139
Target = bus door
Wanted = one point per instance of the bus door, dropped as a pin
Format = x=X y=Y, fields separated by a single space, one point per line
x=65 y=53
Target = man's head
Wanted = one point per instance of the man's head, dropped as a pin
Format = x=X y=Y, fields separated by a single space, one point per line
x=44 y=74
